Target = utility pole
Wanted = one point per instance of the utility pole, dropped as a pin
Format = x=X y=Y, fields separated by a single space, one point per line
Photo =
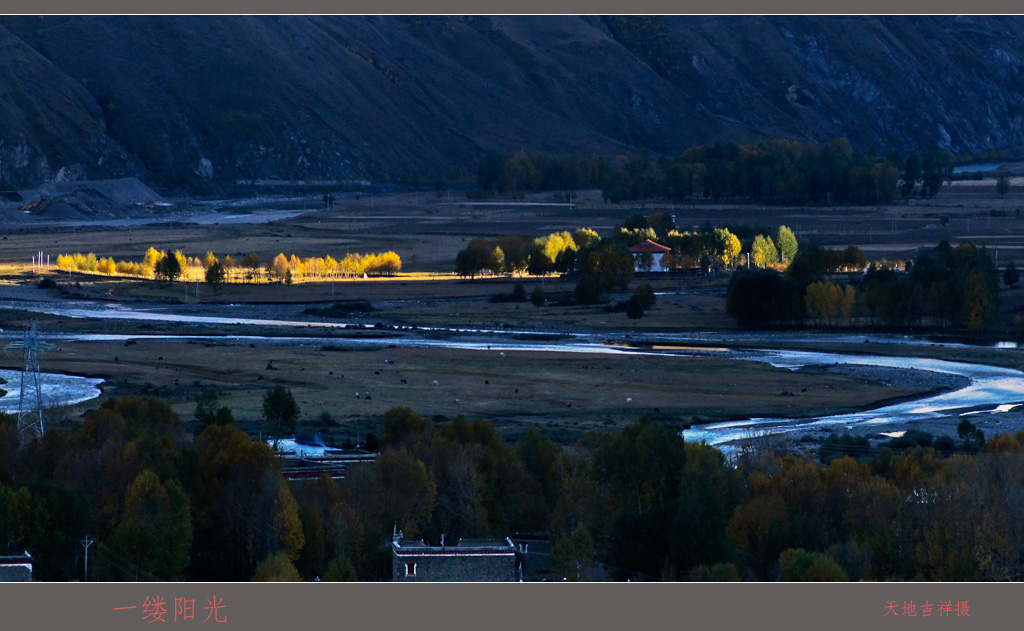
x=88 y=541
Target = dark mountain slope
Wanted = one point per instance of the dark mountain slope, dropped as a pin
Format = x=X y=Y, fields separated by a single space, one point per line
x=49 y=122
x=187 y=100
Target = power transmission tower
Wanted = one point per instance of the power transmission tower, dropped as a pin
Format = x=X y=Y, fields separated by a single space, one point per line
x=30 y=404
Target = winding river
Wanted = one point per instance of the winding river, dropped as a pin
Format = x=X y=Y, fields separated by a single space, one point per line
x=991 y=388
x=56 y=389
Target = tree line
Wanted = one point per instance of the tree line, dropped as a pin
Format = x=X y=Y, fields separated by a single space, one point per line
x=604 y=264
x=600 y=264
x=773 y=171
x=641 y=504
x=248 y=268
x=945 y=287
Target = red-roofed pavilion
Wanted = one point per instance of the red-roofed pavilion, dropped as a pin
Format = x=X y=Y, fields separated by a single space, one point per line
x=656 y=250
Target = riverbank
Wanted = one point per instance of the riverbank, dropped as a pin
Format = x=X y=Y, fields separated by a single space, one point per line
x=555 y=376
x=888 y=377
x=934 y=383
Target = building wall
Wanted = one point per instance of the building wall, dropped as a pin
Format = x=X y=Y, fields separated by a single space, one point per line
x=455 y=568
x=15 y=572
x=657 y=267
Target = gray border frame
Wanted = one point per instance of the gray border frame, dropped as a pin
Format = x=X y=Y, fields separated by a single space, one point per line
x=369 y=606
x=515 y=607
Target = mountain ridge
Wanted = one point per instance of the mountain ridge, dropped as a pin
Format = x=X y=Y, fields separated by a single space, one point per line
x=198 y=102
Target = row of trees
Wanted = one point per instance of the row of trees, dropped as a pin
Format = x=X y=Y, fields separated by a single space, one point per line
x=642 y=504
x=294 y=269
x=772 y=171
x=600 y=264
x=945 y=286
x=563 y=251
x=147 y=268
x=538 y=171
x=512 y=254
x=157 y=502
x=170 y=266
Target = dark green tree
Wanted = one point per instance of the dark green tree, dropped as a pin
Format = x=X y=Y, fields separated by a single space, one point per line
x=800 y=565
x=572 y=557
x=634 y=308
x=645 y=294
x=759 y=296
x=1010 y=275
x=276 y=568
x=215 y=276
x=642 y=468
x=1003 y=184
x=933 y=169
x=251 y=263
x=540 y=458
x=635 y=222
x=911 y=174
x=155 y=531
x=207 y=403
x=340 y=570
x=603 y=269
x=403 y=426
x=474 y=258
x=661 y=223
x=244 y=510
x=973 y=438
x=209 y=411
x=168 y=268
x=537 y=296
x=280 y=410
x=706 y=502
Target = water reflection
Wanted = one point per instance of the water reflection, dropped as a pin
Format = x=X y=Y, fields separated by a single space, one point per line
x=991 y=389
x=57 y=389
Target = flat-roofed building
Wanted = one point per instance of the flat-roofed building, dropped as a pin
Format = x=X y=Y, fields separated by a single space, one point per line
x=467 y=560
x=16 y=568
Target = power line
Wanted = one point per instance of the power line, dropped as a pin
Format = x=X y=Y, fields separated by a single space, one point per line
x=126 y=566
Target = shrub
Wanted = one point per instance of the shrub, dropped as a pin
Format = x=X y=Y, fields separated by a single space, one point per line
x=537 y=297
x=634 y=308
x=645 y=294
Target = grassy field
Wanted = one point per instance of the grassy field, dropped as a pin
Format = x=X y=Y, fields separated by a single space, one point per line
x=563 y=394
x=428 y=231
